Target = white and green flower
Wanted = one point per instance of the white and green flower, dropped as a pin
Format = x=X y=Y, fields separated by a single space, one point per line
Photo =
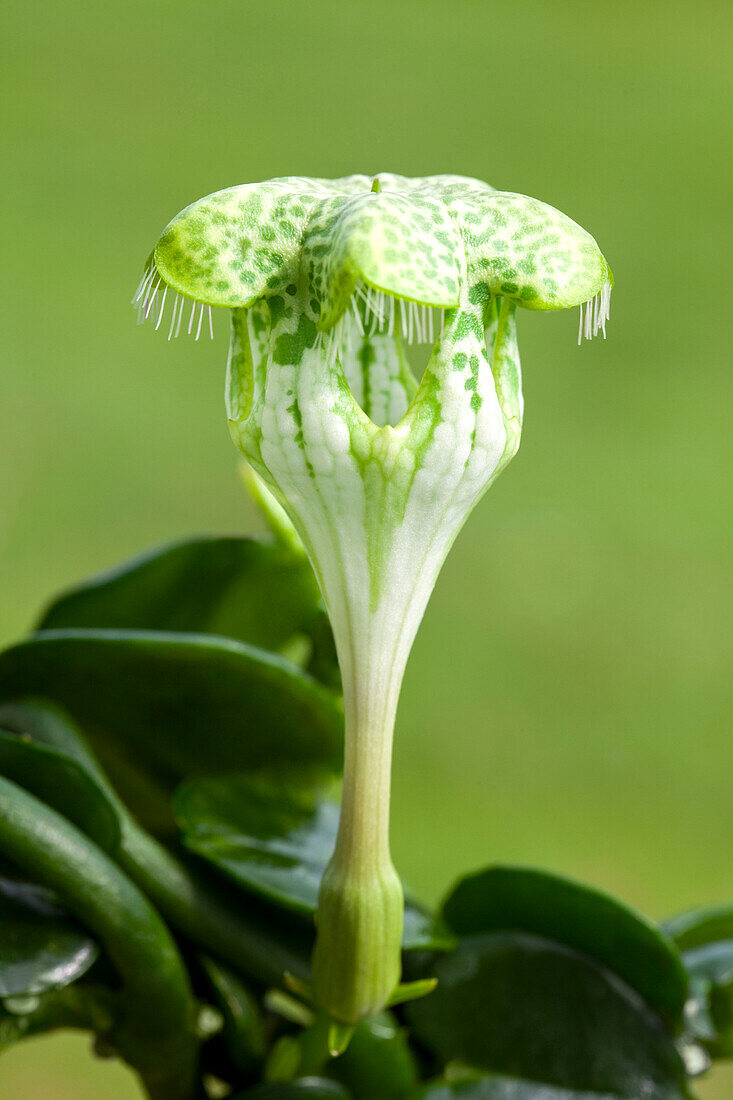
x=327 y=281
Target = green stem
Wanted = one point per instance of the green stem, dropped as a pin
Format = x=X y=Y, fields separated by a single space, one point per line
x=156 y=1029
x=356 y=963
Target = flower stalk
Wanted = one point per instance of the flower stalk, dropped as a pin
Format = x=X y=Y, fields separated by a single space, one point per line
x=329 y=282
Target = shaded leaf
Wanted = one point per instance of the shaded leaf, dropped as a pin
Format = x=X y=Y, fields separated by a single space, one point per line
x=160 y=707
x=704 y=924
x=256 y=938
x=711 y=974
x=47 y=724
x=274 y=834
x=256 y=592
x=493 y=1087
x=523 y=1006
x=85 y=1007
x=378 y=1061
x=41 y=948
x=243 y=1025
x=579 y=916
x=705 y=936
x=307 y=1088
x=63 y=784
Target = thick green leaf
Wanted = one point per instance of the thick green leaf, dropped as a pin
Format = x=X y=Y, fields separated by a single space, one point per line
x=523 y=1006
x=422 y=930
x=63 y=784
x=256 y=938
x=493 y=1087
x=705 y=936
x=588 y=920
x=256 y=592
x=378 y=1061
x=307 y=1088
x=41 y=948
x=702 y=925
x=274 y=834
x=160 y=707
x=243 y=1027
x=711 y=1013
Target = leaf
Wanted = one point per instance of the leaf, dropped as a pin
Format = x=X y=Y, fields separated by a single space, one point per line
x=378 y=1061
x=257 y=939
x=582 y=917
x=63 y=784
x=243 y=1026
x=160 y=707
x=528 y=1008
x=255 y=592
x=46 y=724
x=704 y=924
x=274 y=834
x=493 y=1087
x=41 y=948
x=705 y=936
x=83 y=1007
x=307 y=1088
x=711 y=1011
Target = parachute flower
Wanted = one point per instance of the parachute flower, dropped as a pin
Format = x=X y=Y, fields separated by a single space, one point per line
x=327 y=283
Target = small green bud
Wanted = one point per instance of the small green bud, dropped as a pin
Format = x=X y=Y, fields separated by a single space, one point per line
x=356 y=965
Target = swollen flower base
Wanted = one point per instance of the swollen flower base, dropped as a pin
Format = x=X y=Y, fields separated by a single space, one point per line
x=327 y=282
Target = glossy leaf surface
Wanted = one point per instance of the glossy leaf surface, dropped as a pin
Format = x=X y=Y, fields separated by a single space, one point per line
x=378 y=1061
x=711 y=974
x=159 y=707
x=63 y=784
x=243 y=1028
x=273 y=834
x=526 y=1007
x=495 y=1087
x=705 y=936
x=704 y=924
x=41 y=948
x=579 y=916
x=256 y=592
x=307 y=1088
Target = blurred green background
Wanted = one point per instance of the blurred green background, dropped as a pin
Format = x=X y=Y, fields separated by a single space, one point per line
x=565 y=703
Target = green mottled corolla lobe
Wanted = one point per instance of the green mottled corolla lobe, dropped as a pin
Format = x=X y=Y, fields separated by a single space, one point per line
x=247 y=242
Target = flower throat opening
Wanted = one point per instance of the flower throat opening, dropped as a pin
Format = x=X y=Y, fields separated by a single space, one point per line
x=383 y=345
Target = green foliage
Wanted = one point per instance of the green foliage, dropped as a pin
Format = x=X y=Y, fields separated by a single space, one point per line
x=705 y=938
x=309 y=1088
x=62 y=783
x=579 y=1026
x=579 y=917
x=254 y=592
x=274 y=833
x=547 y=989
x=40 y=947
x=216 y=705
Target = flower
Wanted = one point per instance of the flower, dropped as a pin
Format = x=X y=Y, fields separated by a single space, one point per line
x=327 y=281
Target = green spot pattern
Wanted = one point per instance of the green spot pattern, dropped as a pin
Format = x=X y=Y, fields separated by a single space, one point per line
x=256 y=240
